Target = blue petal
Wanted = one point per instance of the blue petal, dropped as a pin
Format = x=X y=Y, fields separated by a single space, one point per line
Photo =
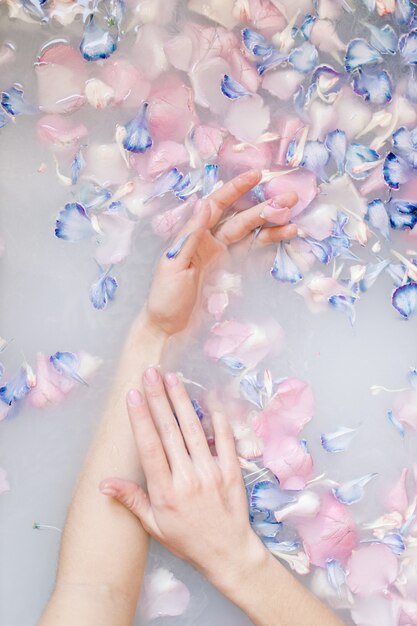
x=412 y=377
x=344 y=304
x=404 y=300
x=336 y=575
x=358 y=155
x=384 y=39
x=373 y=271
x=210 y=178
x=96 y=43
x=315 y=159
x=378 y=218
x=3 y=119
x=397 y=425
x=275 y=59
x=395 y=542
x=138 y=138
x=266 y=495
x=404 y=12
x=284 y=269
x=267 y=529
x=258 y=193
x=197 y=408
x=304 y=59
x=252 y=391
x=339 y=440
x=359 y=52
x=173 y=252
x=235 y=365
x=405 y=143
x=307 y=25
x=73 y=223
x=256 y=43
x=188 y=184
x=16 y=388
x=321 y=249
x=14 y=103
x=232 y=89
x=396 y=170
x=35 y=10
x=353 y=490
x=407 y=46
x=166 y=182
x=397 y=272
x=103 y=290
x=328 y=80
x=375 y=88
x=411 y=87
x=336 y=144
x=66 y=363
x=93 y=196
x=77 y=165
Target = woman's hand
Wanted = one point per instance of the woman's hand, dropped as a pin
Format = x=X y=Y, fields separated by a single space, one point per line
x=195 y=503
x=178 y=276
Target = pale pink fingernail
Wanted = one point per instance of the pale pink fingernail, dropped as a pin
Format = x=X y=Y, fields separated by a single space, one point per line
x=278 y=216
x=108 y=490
x=151 y=375
x=171 y=379
x=134 y=397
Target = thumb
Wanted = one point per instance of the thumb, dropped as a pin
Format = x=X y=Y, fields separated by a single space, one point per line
x=131 y=496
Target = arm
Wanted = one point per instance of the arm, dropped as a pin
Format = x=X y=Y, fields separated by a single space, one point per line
x=104 y=547
x=188 y=488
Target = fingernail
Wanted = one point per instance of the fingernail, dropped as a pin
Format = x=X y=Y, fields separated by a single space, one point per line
x=278 y=216
x=134 y=397
x=151 y=375
x=108 y=490
x=171 y=379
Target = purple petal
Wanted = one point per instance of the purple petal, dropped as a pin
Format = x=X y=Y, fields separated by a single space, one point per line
x=359 y=53
x=376 y=88
x=284 y=269
x=232 y=89
x=404 y=300
x=96 y=43
x=73 y=223
x=138 y=138
x=396 y=170
x=67 y=364
x=407 y=46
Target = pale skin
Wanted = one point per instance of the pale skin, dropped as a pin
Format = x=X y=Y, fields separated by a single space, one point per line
x=105 y=539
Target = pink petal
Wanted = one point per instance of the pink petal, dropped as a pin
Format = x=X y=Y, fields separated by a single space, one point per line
x=405 y=408
x=152 y=11
x=163 y=595
x=171 y=110
x=165 y=155
x=282 y=83
x=48 y=388
x=371 y=569
x=331 y=534
x=60 y=131
x=301 y=181
x=408 y=613
x=4 y=483
x=148 y=51
x=115 y=238
x=287 y=127
x=316 y=291
x=318 y=222
x=397 y=498
x=7 y=54
x=247 y=118
x=207 y=140
x=61 y=76
x=324 y=36
x=179 y=51
x=169 y=223
x=291 y=408
x=374 y=183
x=243 y=71
x=289 y=461
x=228 y=336
x=220 y=11
x=206 y=77
x=130 y=87
x=217 y=303
x=266 y=17
x=238 y=160
x=105 y=165
x=375 y=611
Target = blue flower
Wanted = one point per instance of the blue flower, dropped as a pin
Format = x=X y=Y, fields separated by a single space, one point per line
x=336 y=144
x=66 y=364
x=210 y=178
x=14 y=103
x=73 y=223
x=404 y=300
x=232 y=89
x=96 y=43
x=256 y=43
x=375 y=88
x=407 y=46
x=103 y=290
x=138 y=138
x=396 y=170
x=344 y=304
x=304 y=59
x=359 y=53
x=353 y=490
x=173 y=252
x=384 y=39
x=339 y=440
x=18 y=386
x=378 y=218
x=284 y=269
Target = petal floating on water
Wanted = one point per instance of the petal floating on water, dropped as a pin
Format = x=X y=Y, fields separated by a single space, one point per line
x=373 y=87
x=336 y=144
x=344 y=304
x=336 y=575
x=353 y=490
x=103 y=290
x=210 y=178
x=378 y=218
x=18 y=386
x=339 y=440
x=232 y=89
x=407 y=46
x=315 y=158
x=371 y=570
x=359 y=53
x=256 y=43
x=163 y=595
x=169 y=181
x=73 y=223
x=397 y=425
x=14 y=102
x=97 y=43
x=384 y=39
x=267 y=496
x=304 y=59
x=359 y=160
x=284 y=269
x=306 y=505
x=373 y=271
x=138 y=138
x=67 y=364
x=404 y=300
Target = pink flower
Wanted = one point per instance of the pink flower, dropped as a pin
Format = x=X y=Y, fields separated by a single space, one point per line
x=301 y=181
x=61 y=75
x=331 y=534
x=371 y=569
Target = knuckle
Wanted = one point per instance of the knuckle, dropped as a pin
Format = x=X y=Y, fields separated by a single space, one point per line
x=150 y=448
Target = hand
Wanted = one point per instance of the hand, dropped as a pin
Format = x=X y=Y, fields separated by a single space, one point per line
x=176 y=284
x=195 y=503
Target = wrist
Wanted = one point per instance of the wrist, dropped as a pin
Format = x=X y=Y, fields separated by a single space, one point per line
x=145 y=325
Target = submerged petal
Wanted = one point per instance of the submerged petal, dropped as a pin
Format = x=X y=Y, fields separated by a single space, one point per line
x=378 y=218
x=371 y=570
x=232 y=89
x=407 y=46
x=384 y=39
x=97 y=43
x=359 y=53
x=336 y=144
x=67 y=364
x=376 y=88
x=137 y=138
x=18 y=386
x=304 y=59
x=359 y=160
x=103 y=290
x=404 y=299
x=339 y=440
x=163 y=595
x=14 y=102
x=353 y=490
x=267 y=496
x=344 y=304
x=256 y=43
x=210 y=178
x=73 y=223
x=284 y=269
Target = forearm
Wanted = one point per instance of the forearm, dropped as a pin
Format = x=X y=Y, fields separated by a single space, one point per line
x=104 y=547
x=271 y=596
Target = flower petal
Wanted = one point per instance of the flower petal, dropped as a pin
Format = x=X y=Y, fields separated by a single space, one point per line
x=407 y=46
x=359 y=53
x=339 y=440
x=73 y=223
x=103 y=290
x=376 y=88
x=353 y=490
x=232 y=89
x=304 y=59
x=97 y=43
x=284 y=269
x=67 y=364
x=371 y=570
x=163 y=595
x=378 y=218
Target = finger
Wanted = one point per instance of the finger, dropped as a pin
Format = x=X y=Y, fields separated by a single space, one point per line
x=165 y=421
x=148 y=442
x=181 y=253
x=225 y=443
x=231 y=192
x=133 y=497
x=275 y=234
x=190 y=425
x=276 y=211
